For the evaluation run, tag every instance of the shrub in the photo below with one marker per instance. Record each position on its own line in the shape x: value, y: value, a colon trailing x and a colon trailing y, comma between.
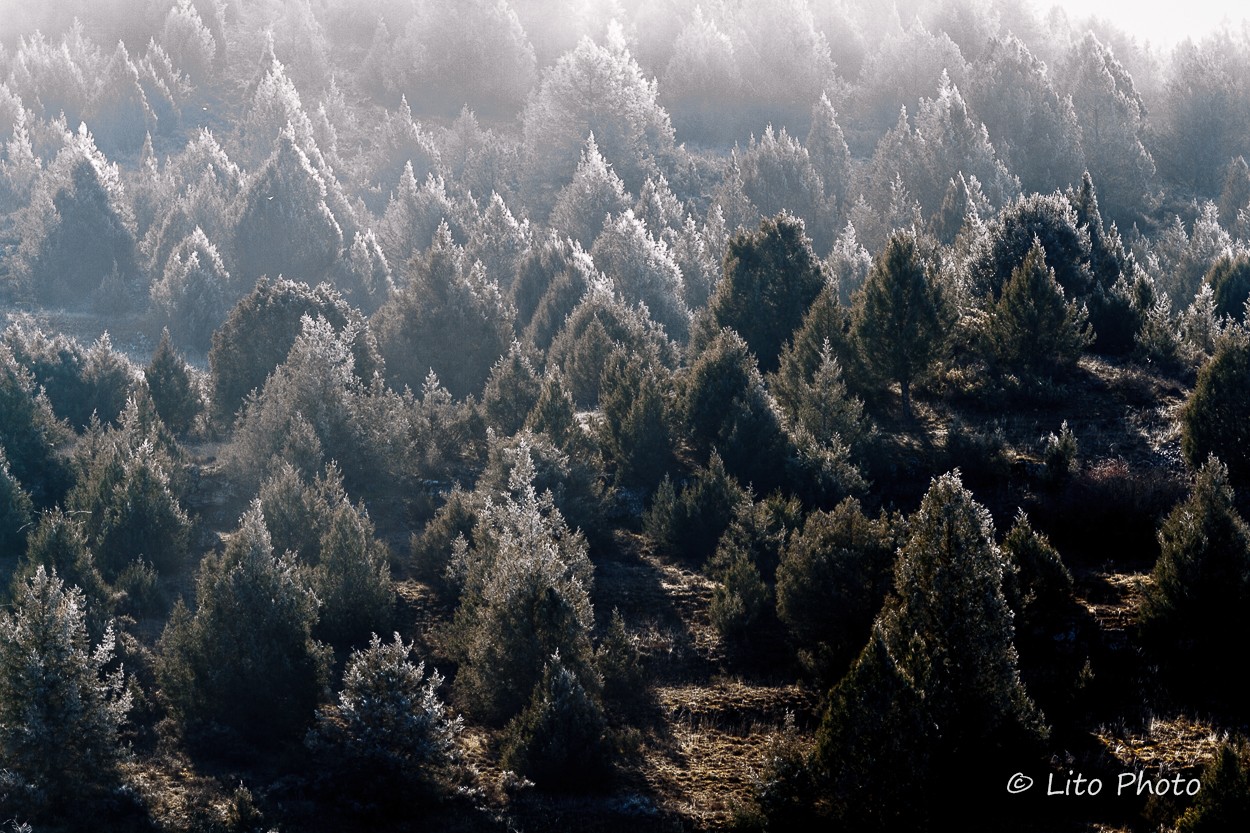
x: 1060, y: 455
x: 690, y: 525
x: 1223, y: 802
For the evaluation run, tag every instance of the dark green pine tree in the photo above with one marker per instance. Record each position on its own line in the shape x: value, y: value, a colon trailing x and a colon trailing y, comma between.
x: 1198, y: 600
x: 899, y: 316
x: 175, y: 395
x: 633, y: 399
x: 30, y: 433
x: 1035, y: 331
x: 16, y: 510
x: 1214, y: 417
x: 560, y: 740
x: 244, y: 662
x: 725, y: 406
x: 512, y: 390
x: 771, y: 278
x: 937, y: 692
x: 1229, y: 279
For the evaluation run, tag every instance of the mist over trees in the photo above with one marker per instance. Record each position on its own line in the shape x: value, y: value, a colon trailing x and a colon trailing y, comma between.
x: 744, y: 415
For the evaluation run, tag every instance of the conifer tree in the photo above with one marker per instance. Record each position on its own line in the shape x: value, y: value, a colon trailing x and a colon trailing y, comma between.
x: 30, y: 433
x: 1229, y: 279
x: 725, y: 406
x: 449, y: 317
x: 1213, y: 420
x: 175, y: 394
x: 1034, y: 330
x: 636, y: 432
x: 512, y: 390
x: 771, y: 278
x: 195, y: 292
x: 937, y: 688
x: 527, y: 580
x: 1200, y: 589
x: 57, y: 544
x: 261, y: 329
x: 832, y: 580
x: 643, y: 271
x: 352, y: 579
x: 561, y: 739
x: 16, y: 510
x: 244, y: 661
x: 594, y: 193
x: 61, y: 705
x: 899, y: 316
x: 283, y: 224
x: 388, y: 728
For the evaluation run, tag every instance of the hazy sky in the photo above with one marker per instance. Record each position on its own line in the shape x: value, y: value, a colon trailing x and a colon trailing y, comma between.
x: 1162, y: 22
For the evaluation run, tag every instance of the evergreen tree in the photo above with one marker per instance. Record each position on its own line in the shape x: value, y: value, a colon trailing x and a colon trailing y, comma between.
x: 175, y: 393
x: 1213, y: 419
x: 512, y: 390
x: 826, y: 146
x: 282, y: 222
x: 16, y: 510
x: 594, y: 192
x: 899, y: 316
x: 62, y: 705
x: 194, y: 293
x: 388, y: 729
x: 1229, y: 279
x: 633, y: 399
x: 1200, y: 587
x: 951, y: 627
x: 352, y: 579
x: 832, y: 580
x: 561, y: 739
x: 82, y: 233
x: 689, y: 525
x: 643, y: 271
x: 725, y: 406
x: 57, y: 545
x: 1235, y: 193
x: 594, y: 89
x: 30, y: 433
x: 1224, y: 797
x: 778, y: 175
x: 937, y: 689
x: 448, y: 317
x: 771, y: 278
x: 244, y: 662
x: 1034, y: 331
x: 527, y: 580
x: 262, y: 328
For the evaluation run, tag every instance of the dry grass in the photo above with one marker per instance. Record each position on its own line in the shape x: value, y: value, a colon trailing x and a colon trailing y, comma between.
x: 720, y: 737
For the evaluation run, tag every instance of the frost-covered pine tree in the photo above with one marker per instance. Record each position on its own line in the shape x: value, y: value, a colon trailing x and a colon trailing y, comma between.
x: 62, y: 702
